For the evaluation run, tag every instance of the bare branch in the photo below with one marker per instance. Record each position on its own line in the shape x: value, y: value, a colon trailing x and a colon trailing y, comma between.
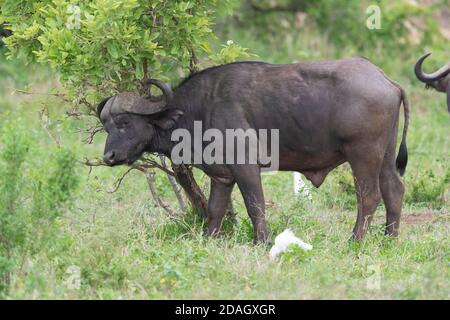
x: 193, y: 63
x: 153, y: 164
x: 92, y: 108
x: 142, y: 165
x: 175, y: 186
x: 145, y: 66
x: 59, y: 95
x: 119, y: 181
x: 93, y: 163
x: 45, y: 122
x: 150, y: 181
x: 75, y: 113
x: 159, y: 202
x: 92, y: 131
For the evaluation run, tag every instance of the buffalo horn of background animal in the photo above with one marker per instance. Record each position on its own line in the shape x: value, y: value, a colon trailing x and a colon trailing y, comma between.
x: 429, y: 78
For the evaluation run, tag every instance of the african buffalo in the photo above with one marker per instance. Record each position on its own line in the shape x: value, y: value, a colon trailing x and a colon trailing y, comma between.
x: 327, y: 113
x: 439, y: 80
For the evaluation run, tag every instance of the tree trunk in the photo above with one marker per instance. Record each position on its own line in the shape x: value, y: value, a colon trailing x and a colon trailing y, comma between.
x: 185, y: 178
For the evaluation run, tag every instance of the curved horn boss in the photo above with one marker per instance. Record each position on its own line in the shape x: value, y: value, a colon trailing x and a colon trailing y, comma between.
x: 130, y: 102
x: 150, y: 105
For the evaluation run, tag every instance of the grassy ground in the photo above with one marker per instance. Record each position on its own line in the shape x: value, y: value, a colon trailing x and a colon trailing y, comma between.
x: 119, y: 245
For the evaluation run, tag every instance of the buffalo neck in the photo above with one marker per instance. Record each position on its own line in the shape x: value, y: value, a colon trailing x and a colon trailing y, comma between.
x: 161, y: 142
x: 187, y: 100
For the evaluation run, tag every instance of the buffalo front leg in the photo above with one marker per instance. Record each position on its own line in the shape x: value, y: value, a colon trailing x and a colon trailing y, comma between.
x: 248, y: 178
x: 219, y: 198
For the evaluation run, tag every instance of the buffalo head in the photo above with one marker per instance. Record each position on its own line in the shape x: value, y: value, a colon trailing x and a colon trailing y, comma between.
x: 133, y: 123
x: 439, y: 80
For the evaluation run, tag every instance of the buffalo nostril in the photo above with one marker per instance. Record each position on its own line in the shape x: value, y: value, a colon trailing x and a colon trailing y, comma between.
x: 109, y: 157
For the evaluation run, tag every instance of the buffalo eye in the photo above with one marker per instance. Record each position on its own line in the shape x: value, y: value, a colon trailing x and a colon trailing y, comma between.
x: 122, y: 122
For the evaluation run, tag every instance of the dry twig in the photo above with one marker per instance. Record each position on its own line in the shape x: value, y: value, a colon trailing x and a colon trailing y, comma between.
x: 158, y: 201
x: 175, y: 187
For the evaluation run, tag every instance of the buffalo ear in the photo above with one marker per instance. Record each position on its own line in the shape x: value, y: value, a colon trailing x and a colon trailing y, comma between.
x: 166, y: 119
x: 101, y: 105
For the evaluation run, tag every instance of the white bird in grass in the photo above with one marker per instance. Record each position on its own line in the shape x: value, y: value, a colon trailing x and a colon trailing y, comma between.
x: 284, y: 240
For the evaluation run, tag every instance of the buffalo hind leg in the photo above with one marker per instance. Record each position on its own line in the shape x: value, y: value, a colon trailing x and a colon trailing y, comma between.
x: 392, y: 190
x: 219, y: 196
x: 248, y: 178
x: 366, y: 166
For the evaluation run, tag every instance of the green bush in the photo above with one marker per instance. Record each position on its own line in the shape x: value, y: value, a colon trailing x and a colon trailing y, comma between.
x: 15, y: 145
x: 55, y: 188
x: 104, y: 46
x: 428, y: 189
x: 27, y: 225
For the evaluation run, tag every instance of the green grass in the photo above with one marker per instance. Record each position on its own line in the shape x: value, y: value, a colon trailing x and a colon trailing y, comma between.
x: 131, y: 251
x: 125, y: 247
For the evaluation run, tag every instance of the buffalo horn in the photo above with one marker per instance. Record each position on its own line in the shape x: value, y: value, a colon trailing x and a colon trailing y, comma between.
x: 429, y: 78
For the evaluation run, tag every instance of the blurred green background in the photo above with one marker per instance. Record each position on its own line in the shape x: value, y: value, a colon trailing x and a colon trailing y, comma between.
x: 64, y: 235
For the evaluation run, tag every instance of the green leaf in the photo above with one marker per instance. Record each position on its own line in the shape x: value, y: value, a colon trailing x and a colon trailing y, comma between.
x: 112, y: 50
x: 139, y: 71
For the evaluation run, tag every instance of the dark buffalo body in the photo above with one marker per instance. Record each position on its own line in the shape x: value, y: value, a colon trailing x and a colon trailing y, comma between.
x: 327, y: 113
